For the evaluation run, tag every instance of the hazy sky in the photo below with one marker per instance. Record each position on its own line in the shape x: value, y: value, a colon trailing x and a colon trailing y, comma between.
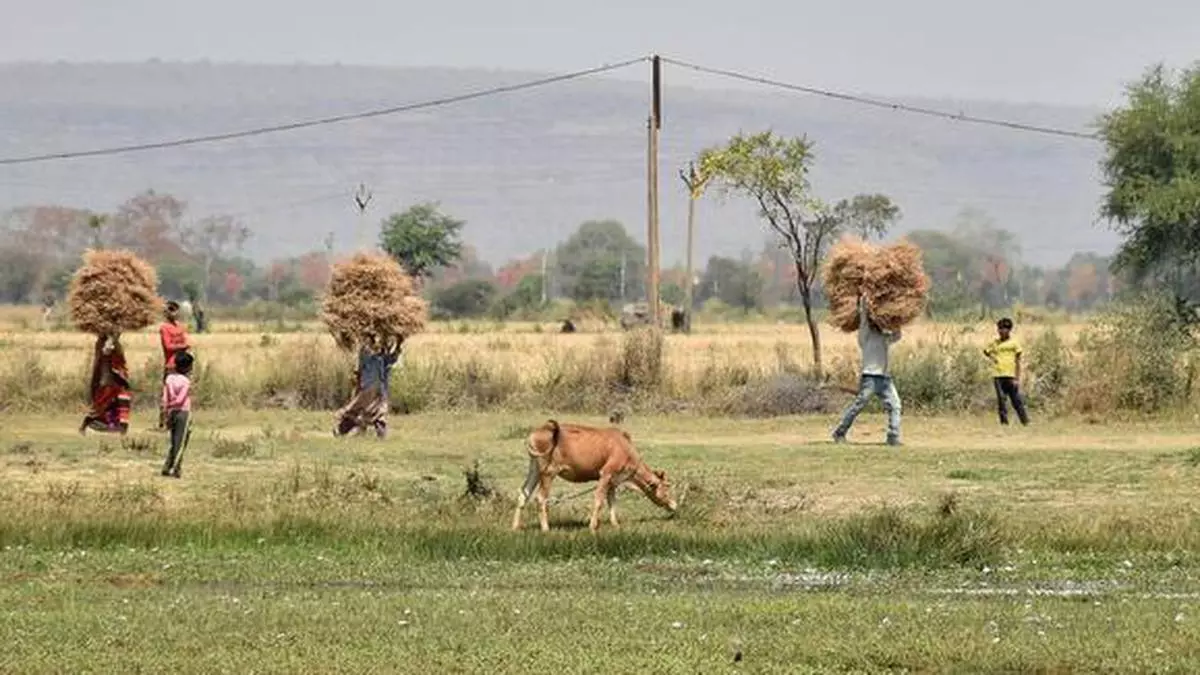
x: 1064, y: 51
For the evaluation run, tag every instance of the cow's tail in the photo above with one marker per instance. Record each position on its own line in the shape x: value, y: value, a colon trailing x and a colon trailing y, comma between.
x: 555, y: 435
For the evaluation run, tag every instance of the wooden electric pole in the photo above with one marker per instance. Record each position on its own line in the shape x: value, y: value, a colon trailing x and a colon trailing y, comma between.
x: 652, y: 241
x: 695, y: 185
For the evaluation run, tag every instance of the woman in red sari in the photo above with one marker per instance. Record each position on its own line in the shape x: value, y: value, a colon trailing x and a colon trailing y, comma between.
x: 111, y: 395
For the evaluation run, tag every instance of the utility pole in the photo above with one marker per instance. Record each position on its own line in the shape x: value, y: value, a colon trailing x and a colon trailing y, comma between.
x: 695, y: 185
x: 545, y: 279
x: 652, y: 242
x: 362, y: 197
x: 623, y: 297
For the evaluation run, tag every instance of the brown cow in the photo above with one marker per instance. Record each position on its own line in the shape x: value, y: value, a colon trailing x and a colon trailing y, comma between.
x: 580, y: 454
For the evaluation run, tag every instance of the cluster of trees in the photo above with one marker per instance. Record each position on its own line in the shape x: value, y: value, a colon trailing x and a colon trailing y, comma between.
x: 975, y: 264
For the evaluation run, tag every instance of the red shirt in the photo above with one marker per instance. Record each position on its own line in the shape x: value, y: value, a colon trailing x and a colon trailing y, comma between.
x: 174, y: 340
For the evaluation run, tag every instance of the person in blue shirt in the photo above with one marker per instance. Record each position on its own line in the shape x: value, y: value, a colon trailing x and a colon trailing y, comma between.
x: 371, y: 402
x: 875, y: 380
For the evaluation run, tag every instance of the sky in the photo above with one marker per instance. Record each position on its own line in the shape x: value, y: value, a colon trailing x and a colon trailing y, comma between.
x: 1079, y: 52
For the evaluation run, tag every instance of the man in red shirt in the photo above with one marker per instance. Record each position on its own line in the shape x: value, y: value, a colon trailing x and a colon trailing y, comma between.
x: 173, y: 336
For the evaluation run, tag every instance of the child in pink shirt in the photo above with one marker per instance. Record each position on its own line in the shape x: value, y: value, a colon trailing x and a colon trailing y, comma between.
x: 177, y: 408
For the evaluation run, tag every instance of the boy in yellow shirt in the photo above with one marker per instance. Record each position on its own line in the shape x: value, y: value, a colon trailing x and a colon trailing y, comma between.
x: 1005, y: 355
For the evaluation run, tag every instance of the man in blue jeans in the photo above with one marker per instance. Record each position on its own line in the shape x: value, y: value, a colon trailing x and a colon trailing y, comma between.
x: 875, y: 380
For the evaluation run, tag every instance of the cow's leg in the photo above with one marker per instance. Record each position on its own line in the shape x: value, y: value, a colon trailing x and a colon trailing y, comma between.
x: 543, y: 497
x: 603, y: 488
x: 531, y: 483
x: 612, y: 505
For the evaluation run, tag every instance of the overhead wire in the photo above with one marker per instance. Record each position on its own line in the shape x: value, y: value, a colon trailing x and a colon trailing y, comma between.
x: 530, y: 84
x: 290, y: 126
x: 891, y: 105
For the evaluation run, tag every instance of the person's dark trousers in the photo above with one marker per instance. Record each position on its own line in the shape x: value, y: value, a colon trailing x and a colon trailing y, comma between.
x: 1007, y: 390
x: 177, y: 421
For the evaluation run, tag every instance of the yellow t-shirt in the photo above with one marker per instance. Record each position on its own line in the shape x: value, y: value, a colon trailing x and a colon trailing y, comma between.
x: 1004, y: 355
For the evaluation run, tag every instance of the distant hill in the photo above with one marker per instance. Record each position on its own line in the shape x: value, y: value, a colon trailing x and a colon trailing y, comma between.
x: 523, y: 169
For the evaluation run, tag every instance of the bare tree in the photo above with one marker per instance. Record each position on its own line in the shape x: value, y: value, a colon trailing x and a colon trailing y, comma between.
x: 212, y: 239
x: 773, y: 172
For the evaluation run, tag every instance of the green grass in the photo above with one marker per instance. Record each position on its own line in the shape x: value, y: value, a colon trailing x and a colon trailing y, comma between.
x: 285, y: 550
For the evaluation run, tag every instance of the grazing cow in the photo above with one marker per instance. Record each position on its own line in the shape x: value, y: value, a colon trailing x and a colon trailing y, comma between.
x: 580, y: 454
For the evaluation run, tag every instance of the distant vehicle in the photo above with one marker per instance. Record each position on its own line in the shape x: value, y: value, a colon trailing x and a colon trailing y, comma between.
x: 636, y: 314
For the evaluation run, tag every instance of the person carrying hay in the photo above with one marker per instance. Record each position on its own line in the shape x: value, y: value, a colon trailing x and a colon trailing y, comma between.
x: 111, y: 397
x: 372, y: 398
x: 875, y: 380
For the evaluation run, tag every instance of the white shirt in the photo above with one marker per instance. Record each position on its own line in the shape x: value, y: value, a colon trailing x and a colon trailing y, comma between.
x: 874, y: 343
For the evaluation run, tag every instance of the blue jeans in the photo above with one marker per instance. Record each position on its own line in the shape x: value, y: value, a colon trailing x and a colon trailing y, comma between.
x: 868, y: 386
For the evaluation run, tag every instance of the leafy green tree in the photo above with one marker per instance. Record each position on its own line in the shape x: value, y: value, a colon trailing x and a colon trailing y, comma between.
x: 468, y: 298
x: 590, y: 263
x: 1152, y: 172
x: 528, y: 293
x: 672, y: 293
x: 952, y: 266
x: 773, y: 172
x: 422, y: 239
x: 734, y: 282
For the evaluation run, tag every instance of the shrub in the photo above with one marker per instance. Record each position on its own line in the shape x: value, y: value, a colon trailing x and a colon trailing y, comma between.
x: 1137, y: 356
x: 1049, y: 364
x: 949, y: 375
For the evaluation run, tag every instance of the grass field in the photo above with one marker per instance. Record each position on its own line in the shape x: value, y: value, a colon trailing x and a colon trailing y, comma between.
x: 1063, y: 547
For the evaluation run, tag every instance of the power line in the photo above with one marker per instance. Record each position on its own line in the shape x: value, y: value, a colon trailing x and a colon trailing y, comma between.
x: 434, y: 103
x: 959, y: 117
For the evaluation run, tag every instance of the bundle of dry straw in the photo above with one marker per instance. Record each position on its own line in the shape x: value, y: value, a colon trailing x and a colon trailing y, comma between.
x: 114, y: 292
x: 891, y: 278
x: 370, y: 300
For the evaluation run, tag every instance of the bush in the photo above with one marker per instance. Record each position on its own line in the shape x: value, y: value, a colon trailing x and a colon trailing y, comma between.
x: 469, y: 298
x: 1049, y: 366
x: 948, y: 375
x: 1138, y: 356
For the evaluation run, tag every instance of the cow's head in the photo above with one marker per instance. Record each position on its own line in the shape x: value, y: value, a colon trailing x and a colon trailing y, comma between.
x: 658, y: 489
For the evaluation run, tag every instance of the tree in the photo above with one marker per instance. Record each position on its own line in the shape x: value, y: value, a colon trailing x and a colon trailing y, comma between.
x: 1152, y: 172
x: 735, y: 283
x: 468, y: 298
x: 149, y: 224
x: 589, y: 264
x: 422, y: 239
x: 951, y: 266
x: 234, y: 283
x: 468, y: 266
x: 212, y: 239
x: 773, y: 172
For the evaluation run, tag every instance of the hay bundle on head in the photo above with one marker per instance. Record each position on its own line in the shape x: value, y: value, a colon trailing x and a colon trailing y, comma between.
x: 891, y: 279
x: 114, y: 292
x: 371, y: 301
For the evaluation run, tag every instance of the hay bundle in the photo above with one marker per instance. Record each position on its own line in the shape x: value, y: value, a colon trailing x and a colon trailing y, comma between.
x: 891, y: 278
x: 370, y: 300
x: 114, y: 292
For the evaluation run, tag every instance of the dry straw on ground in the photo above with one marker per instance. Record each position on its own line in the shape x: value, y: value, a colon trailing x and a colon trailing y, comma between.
x: 113, y: 292
x: 891, y: 278
x: 370, y: 299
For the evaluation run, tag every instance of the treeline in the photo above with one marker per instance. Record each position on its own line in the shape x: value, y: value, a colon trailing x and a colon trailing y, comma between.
x: 975, y: 265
